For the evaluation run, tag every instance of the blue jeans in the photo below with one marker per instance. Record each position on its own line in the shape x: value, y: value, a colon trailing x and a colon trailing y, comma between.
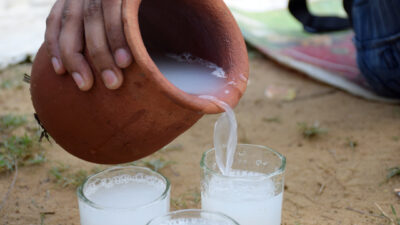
x: 376, y: 25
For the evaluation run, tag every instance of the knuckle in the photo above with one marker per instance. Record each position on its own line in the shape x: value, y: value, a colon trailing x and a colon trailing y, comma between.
x: 68, y: 15
x: 93, y: 9
x: 50, y: 19
x: 96, y: 53
x: 50, y: 42
x: 66, y: 54
x: 115, y: 36
x: 111, y: 1
x: 100, y: 58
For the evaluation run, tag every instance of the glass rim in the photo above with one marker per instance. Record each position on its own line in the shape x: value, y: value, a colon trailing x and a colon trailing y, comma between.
x: 280, y: 170
x: 82, y: 196
x: 184, y: 211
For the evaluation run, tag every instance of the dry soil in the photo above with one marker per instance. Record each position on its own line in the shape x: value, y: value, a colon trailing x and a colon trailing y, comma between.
x: 327, y: 180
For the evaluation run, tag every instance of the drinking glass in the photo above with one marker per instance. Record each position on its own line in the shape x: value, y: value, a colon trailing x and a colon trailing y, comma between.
x: 193, y: 217
x: 252, y: 192
x: 123, y: 196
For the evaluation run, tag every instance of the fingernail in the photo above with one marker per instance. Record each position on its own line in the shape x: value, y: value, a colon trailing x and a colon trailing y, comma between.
x: 56, y: 64
x: 122, y: 58
x: 78, y: 80
x: 110, y: 79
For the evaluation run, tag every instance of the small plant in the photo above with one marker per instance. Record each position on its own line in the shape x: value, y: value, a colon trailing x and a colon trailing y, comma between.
x: 275, y: 119
x: 63, y: 177
x: 311, y: 131
x: 19, y: 149
x: 153, y: 164
x: 395, y: 171
x: 16, y: 149
x: 43, y: 216
x: 6, y: 84
x: 396, y: 138
x: 351, y: 143
x: 172, y: 147
x: 10, y: 122
x: 157, y: 164
x: 189, y: 199
x: 391, y: 221
x: 10, y: 83
x: 179, y: 203
x: 396, y: 218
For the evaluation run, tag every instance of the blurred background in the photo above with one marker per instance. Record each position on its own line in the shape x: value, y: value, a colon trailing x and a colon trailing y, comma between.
x: 342, y: 151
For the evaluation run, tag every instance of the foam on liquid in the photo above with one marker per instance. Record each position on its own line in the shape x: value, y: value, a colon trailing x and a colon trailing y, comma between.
x: 195, y: 221
x: 191, y: 74
x: 122, y: 199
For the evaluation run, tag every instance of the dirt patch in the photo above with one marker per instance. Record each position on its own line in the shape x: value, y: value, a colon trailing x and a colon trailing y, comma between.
x: 333, y: 178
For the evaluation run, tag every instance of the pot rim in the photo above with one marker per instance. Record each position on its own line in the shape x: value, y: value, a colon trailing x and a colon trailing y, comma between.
x: 143, y: 59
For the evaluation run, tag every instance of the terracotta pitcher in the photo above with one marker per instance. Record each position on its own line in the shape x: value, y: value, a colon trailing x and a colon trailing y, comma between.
x: 147, y: 112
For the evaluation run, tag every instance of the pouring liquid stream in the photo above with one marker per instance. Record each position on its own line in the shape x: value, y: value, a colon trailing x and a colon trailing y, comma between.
x: 225, y: 136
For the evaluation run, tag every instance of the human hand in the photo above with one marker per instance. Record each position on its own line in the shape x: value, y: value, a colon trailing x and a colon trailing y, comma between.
x: 96, y: 25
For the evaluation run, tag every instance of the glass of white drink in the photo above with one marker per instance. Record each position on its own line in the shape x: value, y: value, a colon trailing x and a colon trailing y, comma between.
x: 252, y: 191
x: 193, y: 217
x: 122, y: 196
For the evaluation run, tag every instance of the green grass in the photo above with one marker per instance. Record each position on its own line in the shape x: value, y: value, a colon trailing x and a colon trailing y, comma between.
x: 66, y: 177
x: 10, y: 122
x: 15, y: 148
x: 43, y: 216
x: 392, y: 172
x: 311, y: 131
x: 189, y: 199
x: 157, y: 164
x: 15, y: 82
x: 351, y: 143
x: 154, y: 164
x: 172, y: 147
x: 63, y: 176
x: 396, y: 218
x: 275, y: 119
x: 7, y: 84
x: 21, y: 150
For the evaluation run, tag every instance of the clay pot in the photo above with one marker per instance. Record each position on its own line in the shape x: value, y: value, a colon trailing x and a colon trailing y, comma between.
x: 147, y: 112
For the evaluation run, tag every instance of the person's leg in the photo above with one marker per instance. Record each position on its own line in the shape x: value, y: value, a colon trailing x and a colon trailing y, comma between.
x: 376, y: 25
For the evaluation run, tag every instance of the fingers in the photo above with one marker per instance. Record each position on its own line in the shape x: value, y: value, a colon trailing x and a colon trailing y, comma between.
x: 97, y: 45
x: 104, y: 36
x: 71, y: 44
x: 53, y: 29
x: 112, y: 10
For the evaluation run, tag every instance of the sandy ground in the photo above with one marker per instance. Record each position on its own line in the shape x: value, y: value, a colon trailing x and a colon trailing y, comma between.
x: 327, y: 182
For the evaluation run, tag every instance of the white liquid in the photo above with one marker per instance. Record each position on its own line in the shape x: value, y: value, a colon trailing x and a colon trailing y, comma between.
x: 124, y: 200
x: 250, y: 201
x: 190, y: 74
x: 225, y: 136
x: 248, y: 197
x: 195, y: 221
